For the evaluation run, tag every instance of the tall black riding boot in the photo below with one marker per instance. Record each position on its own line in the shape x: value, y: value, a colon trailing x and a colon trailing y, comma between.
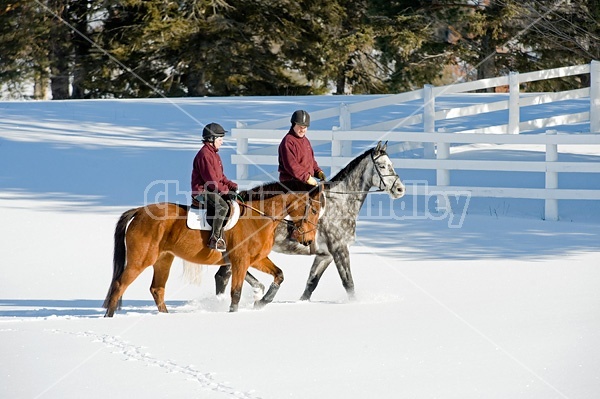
x: 220, y: 205
x: 217, y: 241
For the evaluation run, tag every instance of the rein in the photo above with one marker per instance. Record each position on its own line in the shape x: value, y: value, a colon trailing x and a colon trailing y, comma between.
x: 290, y: 223
x: 261, y: 213
x: 355, y: 192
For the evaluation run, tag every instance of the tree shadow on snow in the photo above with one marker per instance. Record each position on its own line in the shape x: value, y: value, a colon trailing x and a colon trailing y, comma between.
x: 480, y: 237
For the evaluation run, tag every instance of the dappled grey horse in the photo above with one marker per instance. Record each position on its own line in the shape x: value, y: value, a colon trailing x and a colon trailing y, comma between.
x: 345, y: 195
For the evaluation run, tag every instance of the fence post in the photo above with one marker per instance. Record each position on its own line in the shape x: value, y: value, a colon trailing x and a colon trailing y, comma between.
x: 513, y: 103
x: 241, y: 148
x: 428, y: 119
x: 443, y: 176
x: 595, y: 97
x: 340, y: 148
x: 551, y: 205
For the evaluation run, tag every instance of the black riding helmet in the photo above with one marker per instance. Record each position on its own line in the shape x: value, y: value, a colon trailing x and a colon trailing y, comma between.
x: 212, y: 131
x: 301, y: 118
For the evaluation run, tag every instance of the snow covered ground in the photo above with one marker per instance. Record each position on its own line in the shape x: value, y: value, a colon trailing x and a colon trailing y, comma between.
x: 502, y: 307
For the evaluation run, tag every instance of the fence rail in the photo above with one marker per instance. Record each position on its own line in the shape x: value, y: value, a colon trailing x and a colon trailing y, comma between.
x: 436, y: 144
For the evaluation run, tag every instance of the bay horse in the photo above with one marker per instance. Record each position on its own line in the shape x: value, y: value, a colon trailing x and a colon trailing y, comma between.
x: 154, y: 234
x: 345, y: 194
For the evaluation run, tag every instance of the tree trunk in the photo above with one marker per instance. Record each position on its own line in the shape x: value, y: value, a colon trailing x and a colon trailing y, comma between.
x: 195, y: 82
x: 340, y: 87
x: 81, y: 47
x: 40, y: 86
x: 487, y: 61
x: 59, y: 52
x: 342, y: 79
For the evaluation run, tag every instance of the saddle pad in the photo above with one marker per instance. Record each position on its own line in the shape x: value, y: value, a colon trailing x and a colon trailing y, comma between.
x: 196, y: 218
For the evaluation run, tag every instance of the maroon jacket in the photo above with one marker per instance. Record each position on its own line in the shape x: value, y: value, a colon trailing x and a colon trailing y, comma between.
x: 296, y: 158
x: 207, y: 172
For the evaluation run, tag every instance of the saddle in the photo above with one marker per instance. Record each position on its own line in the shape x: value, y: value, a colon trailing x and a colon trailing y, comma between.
x: 197, y: 217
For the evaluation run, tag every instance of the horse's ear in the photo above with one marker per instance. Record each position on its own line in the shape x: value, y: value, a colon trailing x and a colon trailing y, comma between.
x: 378, y: 147
x: 384, y: 147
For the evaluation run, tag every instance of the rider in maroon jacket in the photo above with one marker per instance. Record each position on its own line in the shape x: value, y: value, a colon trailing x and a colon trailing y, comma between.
x: 209, y: 183
x: 296, y: 156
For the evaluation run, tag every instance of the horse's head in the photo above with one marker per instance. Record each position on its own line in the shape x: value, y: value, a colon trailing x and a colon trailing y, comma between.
x: 385, y: 176
x: 304, y: 209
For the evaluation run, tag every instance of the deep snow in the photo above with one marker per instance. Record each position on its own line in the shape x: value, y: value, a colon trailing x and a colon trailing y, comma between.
x: 498, y: 307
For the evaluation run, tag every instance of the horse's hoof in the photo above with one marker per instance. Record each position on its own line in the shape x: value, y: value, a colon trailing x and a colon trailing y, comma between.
x: 305, y: 297
x: 163, y: 308
x: 259, y: 304
x: 233, y: 308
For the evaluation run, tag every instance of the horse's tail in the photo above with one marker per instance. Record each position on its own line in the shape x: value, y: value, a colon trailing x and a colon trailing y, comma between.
x: 193, y: 272
x: 120, y: 252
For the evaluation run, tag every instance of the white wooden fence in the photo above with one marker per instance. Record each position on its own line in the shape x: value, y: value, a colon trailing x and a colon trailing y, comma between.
x: 436, y: 142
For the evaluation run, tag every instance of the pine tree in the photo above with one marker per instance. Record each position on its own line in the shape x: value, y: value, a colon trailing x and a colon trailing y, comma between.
x: 134, y: 38
x: 236, y: 49
x: 483, y: 33
x: 145, y: 48
x: 493, y: 37
x: 59, y: 43
x: 414, y: 49
x: 564, y: 33
x: 24, y: 57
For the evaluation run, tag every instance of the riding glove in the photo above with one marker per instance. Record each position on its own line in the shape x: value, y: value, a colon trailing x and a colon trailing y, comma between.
x: 311, y: 180
x: 321, y: 175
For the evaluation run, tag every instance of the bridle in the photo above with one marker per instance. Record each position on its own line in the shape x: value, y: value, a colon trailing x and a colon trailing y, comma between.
x: 297, y: 230
x: 382, y: 185
x: 381, y: 176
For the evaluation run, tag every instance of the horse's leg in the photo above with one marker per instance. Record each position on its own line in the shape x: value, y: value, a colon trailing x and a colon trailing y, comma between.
x: 162, y: 268
x: 267, y: 266
x: 132, y: 271
x: 222, y: 279
x: 321, y: 262
x: 341, y: 257
x: 257, y: 286
x: 239, y: 267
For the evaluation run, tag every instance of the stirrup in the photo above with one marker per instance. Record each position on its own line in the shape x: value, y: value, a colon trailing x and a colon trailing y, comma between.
x: 217, y: 244
x: 221, y: 246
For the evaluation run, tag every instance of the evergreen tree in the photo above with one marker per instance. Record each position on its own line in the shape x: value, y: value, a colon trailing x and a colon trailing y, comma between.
x: 414, y: 46
x: 59, y: 43
x: 483, y: 33
x: 134, y: 38
x: 39, y: 45
x: 493, y: 37
x: 24, y: 57
x: 237, y: 49
x: 564, y: 33
x: 145, y: 48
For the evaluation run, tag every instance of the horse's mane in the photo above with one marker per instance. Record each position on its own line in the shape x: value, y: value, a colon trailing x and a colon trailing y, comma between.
x: 342, y: 174
x: 269, y: 190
